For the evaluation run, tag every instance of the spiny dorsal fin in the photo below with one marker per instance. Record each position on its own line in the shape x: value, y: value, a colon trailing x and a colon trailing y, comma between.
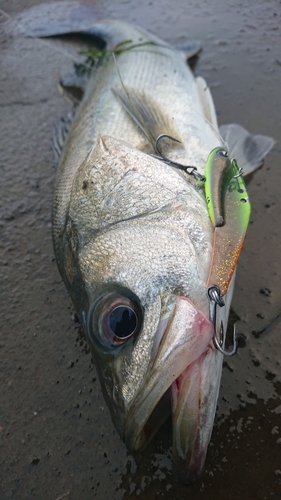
x: 147, y: 114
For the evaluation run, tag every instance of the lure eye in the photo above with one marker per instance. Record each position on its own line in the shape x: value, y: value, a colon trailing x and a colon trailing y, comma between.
x: 222, y: 153
x: 115, y: 319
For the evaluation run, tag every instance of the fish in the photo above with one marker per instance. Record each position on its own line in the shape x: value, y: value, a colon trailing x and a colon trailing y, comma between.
x: 140, y: 245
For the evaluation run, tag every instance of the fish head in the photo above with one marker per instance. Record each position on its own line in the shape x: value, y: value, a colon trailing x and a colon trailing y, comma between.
x: 139, y: 247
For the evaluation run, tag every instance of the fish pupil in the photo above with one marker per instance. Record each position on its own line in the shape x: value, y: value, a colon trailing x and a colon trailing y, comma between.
x: 123, y: 321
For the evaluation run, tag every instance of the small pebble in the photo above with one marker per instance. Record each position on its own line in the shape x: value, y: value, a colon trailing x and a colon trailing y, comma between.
x: 265, y: 291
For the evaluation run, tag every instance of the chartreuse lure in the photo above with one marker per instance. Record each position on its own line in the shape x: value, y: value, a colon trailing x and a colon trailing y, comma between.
x: 229, y: 210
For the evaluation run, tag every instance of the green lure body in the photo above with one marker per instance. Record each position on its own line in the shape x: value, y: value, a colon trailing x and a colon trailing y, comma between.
x: 229, y: 210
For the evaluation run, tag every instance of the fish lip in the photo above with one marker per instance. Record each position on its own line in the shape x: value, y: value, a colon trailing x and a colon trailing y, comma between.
x: 194, y: 399
x: 138, y: 416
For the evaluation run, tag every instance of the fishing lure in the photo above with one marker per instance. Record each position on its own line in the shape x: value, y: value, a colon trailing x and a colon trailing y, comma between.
x: 229, y: 210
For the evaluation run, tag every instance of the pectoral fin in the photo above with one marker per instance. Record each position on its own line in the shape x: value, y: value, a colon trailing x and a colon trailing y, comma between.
x: 146, y: 114
x: 60, y: 132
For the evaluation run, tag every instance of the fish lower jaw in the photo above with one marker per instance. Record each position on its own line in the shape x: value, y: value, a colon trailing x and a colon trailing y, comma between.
x: 190, y: 434
x: 137, y: 438
x: 183, y: 380
x: 194, y: 472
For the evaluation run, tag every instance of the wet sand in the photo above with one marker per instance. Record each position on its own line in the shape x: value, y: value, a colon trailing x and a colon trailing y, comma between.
x: 57, y: 438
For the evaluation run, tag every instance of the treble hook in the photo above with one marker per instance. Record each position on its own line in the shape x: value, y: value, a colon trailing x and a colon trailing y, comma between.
x: 217, y: 300
x: 236, y: 177
x: 186, y: 168
x: 240, y: 174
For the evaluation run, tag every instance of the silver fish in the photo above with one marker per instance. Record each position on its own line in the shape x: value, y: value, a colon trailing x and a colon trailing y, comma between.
x: 133, y: 238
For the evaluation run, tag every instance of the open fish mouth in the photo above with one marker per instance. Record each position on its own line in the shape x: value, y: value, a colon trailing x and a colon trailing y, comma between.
x: 184, y: 378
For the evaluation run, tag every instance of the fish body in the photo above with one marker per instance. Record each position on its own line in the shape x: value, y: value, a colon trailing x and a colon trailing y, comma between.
x: 133, y: 241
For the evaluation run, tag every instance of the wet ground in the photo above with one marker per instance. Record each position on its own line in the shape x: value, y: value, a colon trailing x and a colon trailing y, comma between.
x: 57, y: 439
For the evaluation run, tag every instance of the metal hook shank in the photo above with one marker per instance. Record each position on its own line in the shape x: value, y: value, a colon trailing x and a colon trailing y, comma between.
x: 219, y: 340
x: 190, y: 170
x: 218, y: 344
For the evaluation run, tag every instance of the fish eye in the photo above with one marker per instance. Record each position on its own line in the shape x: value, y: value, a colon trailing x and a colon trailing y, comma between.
x: 114, y: 319
x: 123, y: 322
